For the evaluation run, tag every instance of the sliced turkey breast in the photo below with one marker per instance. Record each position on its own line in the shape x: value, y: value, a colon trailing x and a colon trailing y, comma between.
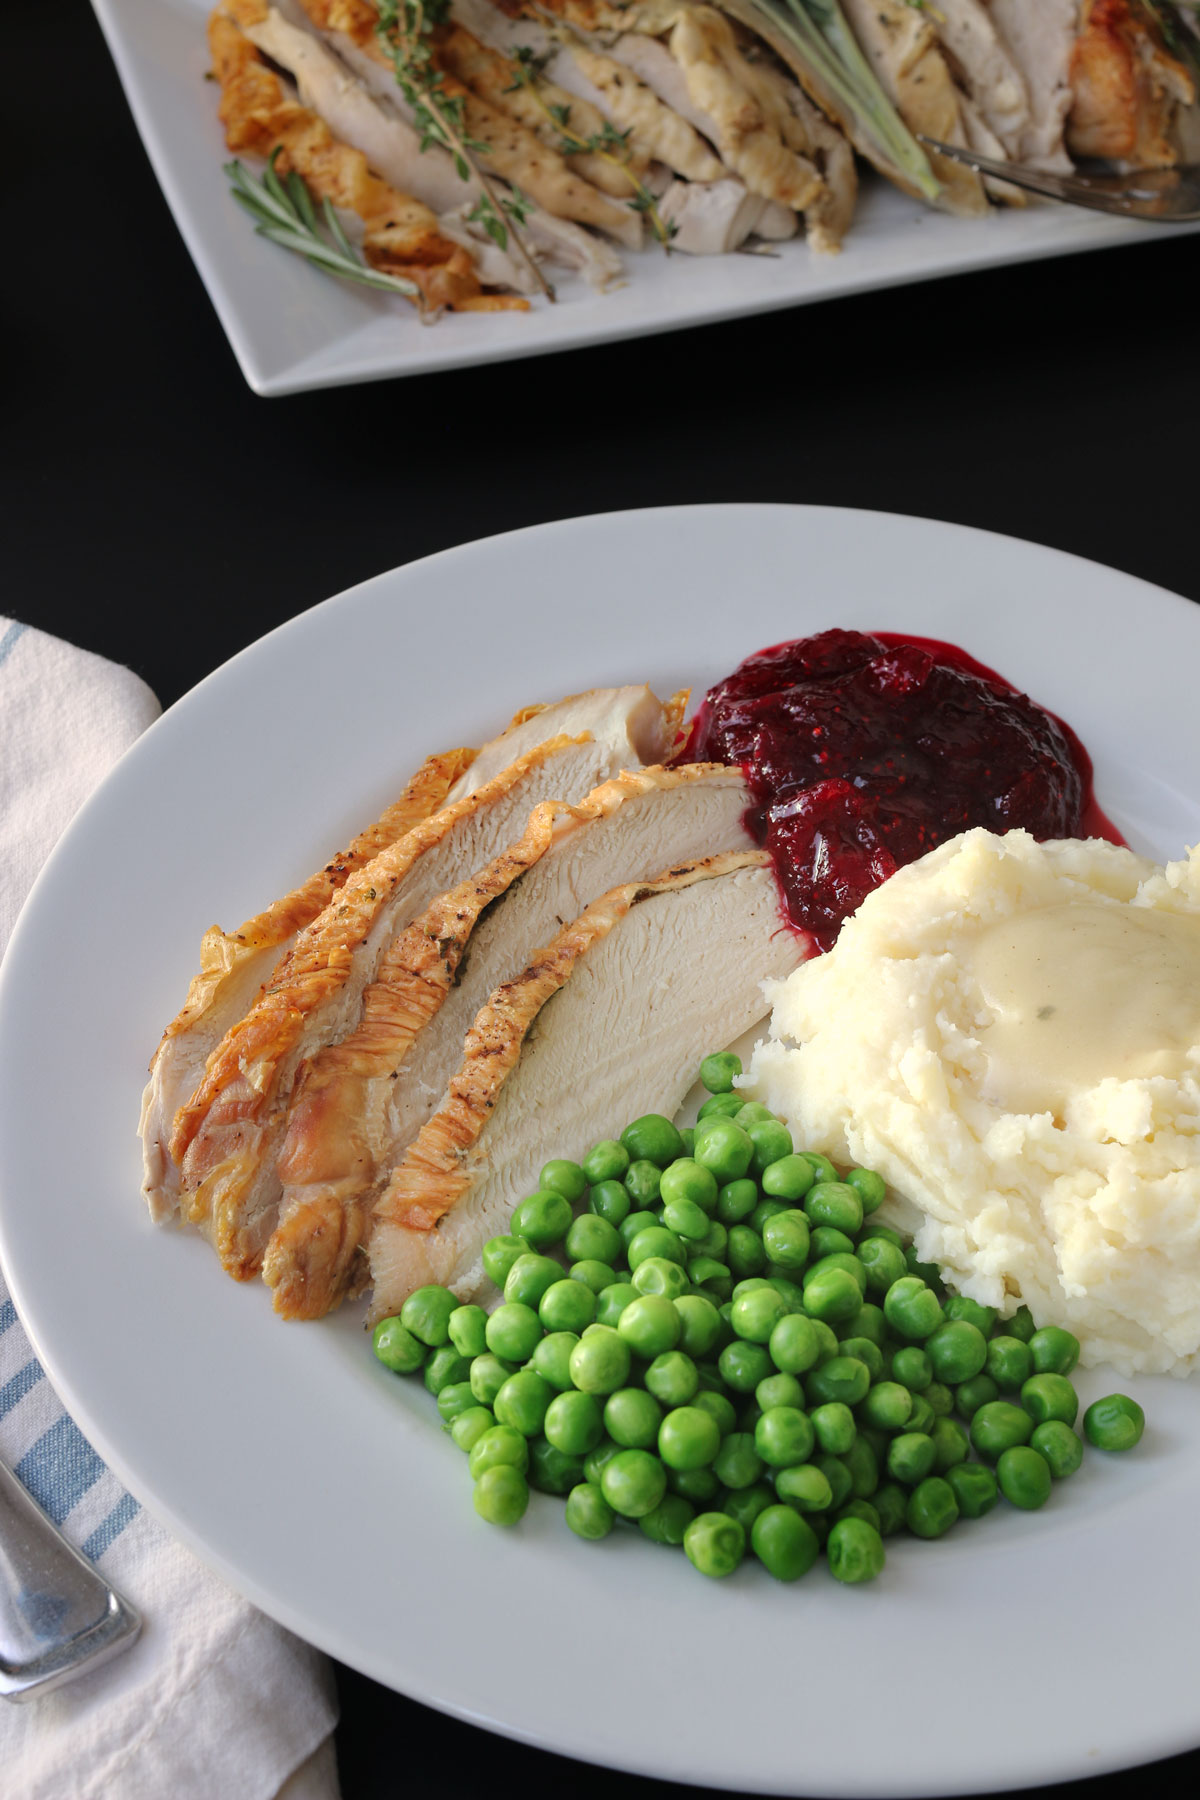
x: 902, y: 47
x: 359, y: 1103
x: 235, y: 966
x: 225, y: 1137
x: 979, y: 56
x: 609, y: 1021
x: 1126, y: 87
x: 1039, y: 35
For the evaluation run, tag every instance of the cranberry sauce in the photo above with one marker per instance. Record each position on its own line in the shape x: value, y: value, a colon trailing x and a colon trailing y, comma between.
x: 863, y: 752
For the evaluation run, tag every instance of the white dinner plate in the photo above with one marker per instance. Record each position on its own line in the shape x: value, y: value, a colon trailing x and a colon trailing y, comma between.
x: 1022, y: 1649
x: 292, y: 328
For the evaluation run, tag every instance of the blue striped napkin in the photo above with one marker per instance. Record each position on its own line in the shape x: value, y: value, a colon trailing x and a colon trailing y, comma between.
x: 214, y: 1699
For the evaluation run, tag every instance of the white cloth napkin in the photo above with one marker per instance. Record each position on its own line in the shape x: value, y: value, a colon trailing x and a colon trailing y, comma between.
x: 214, y: 1699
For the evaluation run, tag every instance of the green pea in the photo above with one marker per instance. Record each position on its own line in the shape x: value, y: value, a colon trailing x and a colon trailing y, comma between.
x: 686, y: 1220
x: 854, y: 1551
x: 744, y: 1252
x: 672, y: 1378
x: 632, y: 1418
x: 650, y: 1324
x: 929, y: 1273
x: 593, y: 1239
x: 859, y: 1509
x: 690, y: 1181
x: 1021, y: 1324
x: 744, y: 1364
x: 633, y: 1483
x: 971, y: 1395
x: 642, y: 1181
x: 745, y: 1504
x: 832, y: 1293
x: 779, y: 1390
x: 543, y: 1218
x: 551, y: 1359
x: 588, y: 1513
x: 912, y: 1309
x: 793, y: 1344
x: 828, y: 1241
x: 998, y: 1427
x: 1054, y: 1351
x: 561, y: 1176
x: 827, y: 1342
x: 667, y: 1523
x: 597, y: 1460
x: 951, y: 1445
x: 652, y: 1139
x: 609, y: 1200
x: 488, y: 1375
x: 499, y: 1255
x: 842, y: 1378
x: 1024, y: 1477
x: 766, y: 1209
x: 724, y: 1151
x: 864, y: 1350
x: 961, y: 1306
x: 426, y: 1313
x: 714, y: 1277
x: 605, y: 1161
x: 1114, y: 1423
x: 659, y: 1275
x: 883, y: 1262
x: 501, y: 1495
x: 600, y: 1361
x: 771, y: 1140
x: 912, y: 1367
x: 397, y: 1348
x: 1009, y: 1363
x: 891, y: 1507
x: 939, y: 1399
x: 957, y: 1350
x: 844, y: 1260
x: 595, y: 1276
x: 835, y: 1203
x: 974, y: 1488
x: 456, y: 1397
x: 444, y: 1367
x: 786, y: 1240
x: 932, y: 1508
x: 718, y: 1406
x: 551, y: 1470
x: 887, y: 1406
x: 714, y: 1544
x: 687, y: 1137
x: 922, y: 1417
x: 1050, y: 1397
x: 699, y: 1324
x: 700, y: 1486
x: 523, y: 1402
x: 788, y: 1179
x: 501, y: 1446
x: 756, y: 1314
x: 806, y: 1487
x: 655, y: 1241
x: 721, y: 1106
x: 783, y: 1542
x: 514, y: 1331
x: 736, y: 1200
x: 784, y: 1436
x: 834, y: 1428
x: 822, y: 1167
x: 750, y: 1112
x: 567, y: 1306
x: 787, y: 1289
x: 466, y: 1327
x: 1059, y: 1445
x: 911, y: 1457
x: 529, y: 1278
x: 573, y: 1423
x: 611, y: 1303
x: 737, y: 1463
x: 469, y: 1426
x: 712, y: 1243
x: 862, y: 1467
x: 888, y: 1233
x: 870, y: 1188
x: 689, y: 1437
x: 719, y: 1071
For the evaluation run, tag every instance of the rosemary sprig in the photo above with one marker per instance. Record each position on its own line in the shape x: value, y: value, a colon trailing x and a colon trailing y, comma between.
x: 611, y: 145
x: 283, y: 211
x: 403, y: 28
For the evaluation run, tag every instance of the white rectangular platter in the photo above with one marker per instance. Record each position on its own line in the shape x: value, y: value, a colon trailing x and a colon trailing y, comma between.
x: 292, y: 328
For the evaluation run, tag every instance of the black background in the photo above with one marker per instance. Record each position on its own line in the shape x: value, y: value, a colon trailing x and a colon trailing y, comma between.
x: 156, y: 511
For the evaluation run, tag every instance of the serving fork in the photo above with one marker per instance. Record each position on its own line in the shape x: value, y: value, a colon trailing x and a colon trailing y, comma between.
x: 59, y: 1618
x: 1163, y: 196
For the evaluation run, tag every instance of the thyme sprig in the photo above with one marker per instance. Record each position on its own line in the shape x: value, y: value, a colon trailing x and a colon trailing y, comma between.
x: 283, y: 210
x: 609, y: 144
x: 404, y: 28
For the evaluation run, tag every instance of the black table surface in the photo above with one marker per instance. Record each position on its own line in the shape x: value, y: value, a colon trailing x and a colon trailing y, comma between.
x: 156, y: 511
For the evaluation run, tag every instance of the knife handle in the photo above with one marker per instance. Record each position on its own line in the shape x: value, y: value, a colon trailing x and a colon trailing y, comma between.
x: 58, y: 1617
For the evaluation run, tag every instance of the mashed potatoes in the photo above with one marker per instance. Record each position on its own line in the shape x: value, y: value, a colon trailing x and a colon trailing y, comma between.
x: 1009, y: 1032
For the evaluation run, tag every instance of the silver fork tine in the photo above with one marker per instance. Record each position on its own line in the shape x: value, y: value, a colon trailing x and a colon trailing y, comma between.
x: 1168, y: 196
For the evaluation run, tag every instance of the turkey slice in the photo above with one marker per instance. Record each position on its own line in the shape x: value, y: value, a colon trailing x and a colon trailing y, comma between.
x: 235, y: 965
x: 994, y: 83
x: 1039, y: 35
x: 358, y: 1104
x: 609, y: 1021
x: 224, y: 1138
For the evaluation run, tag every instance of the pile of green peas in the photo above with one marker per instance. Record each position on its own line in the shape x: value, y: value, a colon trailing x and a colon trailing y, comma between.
x: 703, y: 1333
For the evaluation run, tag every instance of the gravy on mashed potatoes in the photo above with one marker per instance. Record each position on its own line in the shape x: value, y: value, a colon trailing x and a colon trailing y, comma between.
x: 1009, y: 1032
